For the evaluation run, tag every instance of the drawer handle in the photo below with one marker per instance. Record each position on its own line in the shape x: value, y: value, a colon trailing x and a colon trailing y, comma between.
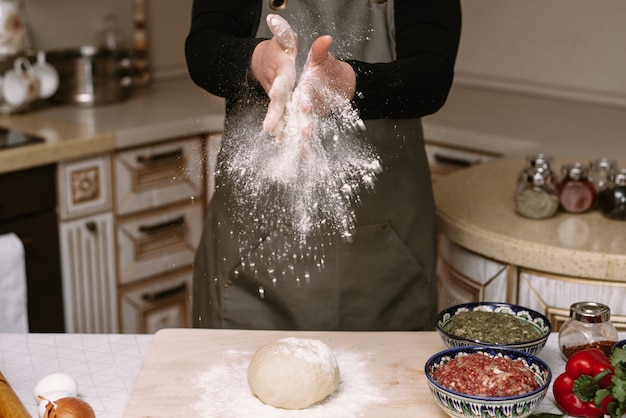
x: 151, y: 229
x: 460, y: 162
x: 163, y: 294
x: 164, y: 156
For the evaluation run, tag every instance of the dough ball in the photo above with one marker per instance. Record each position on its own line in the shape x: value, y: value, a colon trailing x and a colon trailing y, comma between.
x: 293, y: 373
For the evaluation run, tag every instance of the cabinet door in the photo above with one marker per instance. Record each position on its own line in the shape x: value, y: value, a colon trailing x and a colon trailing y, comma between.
x: 157, y: 242
x: 84, y: 187
x: 88, y: 268
x: 464, y: 276
x: 158, y: 175
x: 552, y: 295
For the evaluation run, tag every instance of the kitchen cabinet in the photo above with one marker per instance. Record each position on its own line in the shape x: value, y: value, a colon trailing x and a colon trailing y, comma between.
x: 89, y: 288
x: 160, y: 201
x: 464, y: 276
x: 489, y: 253
x: 87, y: 245
x: 553, y: 295
x: 130, y: 224
x: 162, y: 303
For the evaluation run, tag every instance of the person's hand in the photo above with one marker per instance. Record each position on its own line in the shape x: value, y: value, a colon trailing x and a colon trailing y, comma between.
x: 273, y: 66
x: 326, y: 83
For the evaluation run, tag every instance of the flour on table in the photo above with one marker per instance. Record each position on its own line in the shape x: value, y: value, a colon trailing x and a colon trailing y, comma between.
x: 225, y: 392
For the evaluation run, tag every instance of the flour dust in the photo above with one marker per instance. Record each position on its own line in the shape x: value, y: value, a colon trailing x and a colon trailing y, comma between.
x: 225, y: 392
x: 295, y: 193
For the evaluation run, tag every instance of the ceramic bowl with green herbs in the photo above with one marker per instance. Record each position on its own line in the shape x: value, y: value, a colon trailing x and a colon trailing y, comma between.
x: 493, y: 324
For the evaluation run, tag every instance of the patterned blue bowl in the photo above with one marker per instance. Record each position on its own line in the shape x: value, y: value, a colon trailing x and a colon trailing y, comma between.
x: 460, y: 405
x: 540, y: 321
x: 620, y: 344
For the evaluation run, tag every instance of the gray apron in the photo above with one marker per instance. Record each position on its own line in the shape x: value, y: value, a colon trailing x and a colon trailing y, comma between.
x: 385, y: 278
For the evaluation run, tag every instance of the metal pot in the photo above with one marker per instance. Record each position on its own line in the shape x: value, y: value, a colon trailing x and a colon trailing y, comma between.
x: 89, y: 75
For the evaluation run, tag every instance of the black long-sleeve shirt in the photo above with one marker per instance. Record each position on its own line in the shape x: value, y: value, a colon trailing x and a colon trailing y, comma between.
x: 222, y: 38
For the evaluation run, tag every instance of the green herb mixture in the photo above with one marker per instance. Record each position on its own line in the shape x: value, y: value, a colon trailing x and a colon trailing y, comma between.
x: 492, y: 327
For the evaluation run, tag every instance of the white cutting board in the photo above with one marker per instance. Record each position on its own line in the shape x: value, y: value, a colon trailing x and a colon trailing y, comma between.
x: 201, y: 373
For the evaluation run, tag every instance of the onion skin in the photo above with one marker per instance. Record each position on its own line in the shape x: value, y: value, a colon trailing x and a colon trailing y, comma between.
x: 69, y: 408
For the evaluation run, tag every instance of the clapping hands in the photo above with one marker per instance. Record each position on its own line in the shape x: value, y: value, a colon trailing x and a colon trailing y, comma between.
x: 324, y: 85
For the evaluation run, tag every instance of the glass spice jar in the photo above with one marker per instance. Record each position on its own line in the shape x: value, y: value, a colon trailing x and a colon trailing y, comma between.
x: 534, y: 161
x: 576, y: 192
x: 600, y: 170
x: 589, y: 326
x: 612, y: 199
x: 536, y: 195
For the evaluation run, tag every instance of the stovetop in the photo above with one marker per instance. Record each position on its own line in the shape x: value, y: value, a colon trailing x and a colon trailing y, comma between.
x: 10, y: 138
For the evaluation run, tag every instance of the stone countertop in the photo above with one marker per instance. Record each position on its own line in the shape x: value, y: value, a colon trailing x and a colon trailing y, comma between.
x: 475, y: 209
x: 163, y: 110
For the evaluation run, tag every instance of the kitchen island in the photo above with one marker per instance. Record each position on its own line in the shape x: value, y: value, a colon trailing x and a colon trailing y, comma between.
x: 133, y: 375
x: 489, y: 252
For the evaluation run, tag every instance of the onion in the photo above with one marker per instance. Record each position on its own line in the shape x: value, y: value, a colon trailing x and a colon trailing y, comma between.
x: 69, y: 407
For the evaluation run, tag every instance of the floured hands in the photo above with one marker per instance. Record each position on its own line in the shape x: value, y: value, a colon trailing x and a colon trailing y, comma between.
x: 273, y: 65
x: 325, y: 84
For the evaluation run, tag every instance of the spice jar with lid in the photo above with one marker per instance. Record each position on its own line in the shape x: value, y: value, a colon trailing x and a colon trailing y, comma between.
x: 536, y: 195
x: 576, y: 192
x: 533, y: 162
x: 612, y: 199
x: 589, y: 326
x: 600, y: 170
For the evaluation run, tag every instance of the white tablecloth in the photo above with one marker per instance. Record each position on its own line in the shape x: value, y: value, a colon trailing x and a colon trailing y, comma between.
x: 106, y: 366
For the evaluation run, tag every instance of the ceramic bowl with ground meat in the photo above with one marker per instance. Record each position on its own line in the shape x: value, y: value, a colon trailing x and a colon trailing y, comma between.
x: 493, y: 324
x: 487, y: 382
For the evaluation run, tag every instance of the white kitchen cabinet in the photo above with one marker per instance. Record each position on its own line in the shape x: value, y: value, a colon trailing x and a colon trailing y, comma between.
x: 553, y: 294
x: 130, y: 224
x: 464, y: 276
x: 87, y: 245
x: 88, y: 271
x: 165, y: 303
x: 160, y: 203
x: 158, y: 175
x: 158, y: 242
x: 84, y: 187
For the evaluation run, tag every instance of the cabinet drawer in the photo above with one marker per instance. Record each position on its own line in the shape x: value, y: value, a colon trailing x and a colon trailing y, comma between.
x: 164, y: 304
x: 84, y: 187
x: 158, y: 242
x: 158, y: 175
x: 444, y: 159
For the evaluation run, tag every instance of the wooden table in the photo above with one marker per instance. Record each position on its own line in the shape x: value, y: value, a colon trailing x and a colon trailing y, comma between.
x: 393, y: 362
x: 202, y: 373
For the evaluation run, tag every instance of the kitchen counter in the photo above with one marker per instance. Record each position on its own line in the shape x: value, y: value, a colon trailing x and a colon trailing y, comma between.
x: 475, y: 210
x: 108, y: 368
x: 163, y: 110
